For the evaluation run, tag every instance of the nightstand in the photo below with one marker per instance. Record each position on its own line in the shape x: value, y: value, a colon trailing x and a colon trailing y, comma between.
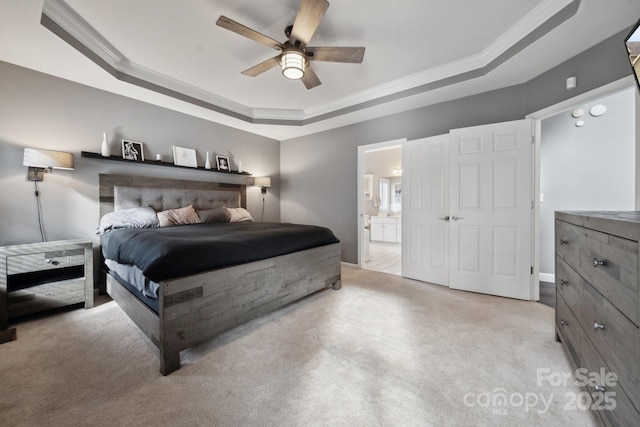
x: 37, y: 277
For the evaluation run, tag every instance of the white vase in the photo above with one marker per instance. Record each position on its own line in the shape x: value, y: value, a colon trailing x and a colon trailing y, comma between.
x: 207, y: 161
x: 239, y: 167
x: 105, y: 146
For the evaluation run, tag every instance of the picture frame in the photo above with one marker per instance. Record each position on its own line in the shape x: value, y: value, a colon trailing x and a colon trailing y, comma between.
x: 222, y: 163
x: 184, y: 157
x: 132, y: 150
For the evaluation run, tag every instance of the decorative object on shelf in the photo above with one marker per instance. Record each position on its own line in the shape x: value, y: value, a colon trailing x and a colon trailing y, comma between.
x: 105, y: 151
x: 207, y: 161
x: 222, y: 162
x: 239, y: 166
x: 160, y: 162
x: 132, y: 150
x: 185, y: 157
x: 158, y: 157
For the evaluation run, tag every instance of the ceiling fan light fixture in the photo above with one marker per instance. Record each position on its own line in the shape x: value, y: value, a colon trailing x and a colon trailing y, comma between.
x: 293, y: 63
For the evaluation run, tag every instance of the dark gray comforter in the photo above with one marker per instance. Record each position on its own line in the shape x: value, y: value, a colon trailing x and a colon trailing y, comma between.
x: 170, y: 252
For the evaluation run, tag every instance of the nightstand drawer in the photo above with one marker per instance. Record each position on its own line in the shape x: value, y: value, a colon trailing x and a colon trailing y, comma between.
x: 44, y: 261
x: 46, y: 297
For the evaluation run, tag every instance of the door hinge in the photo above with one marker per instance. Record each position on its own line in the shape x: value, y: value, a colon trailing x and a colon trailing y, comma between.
x: 533, y: 139
x: 532, y: 270
x: 533, y: 204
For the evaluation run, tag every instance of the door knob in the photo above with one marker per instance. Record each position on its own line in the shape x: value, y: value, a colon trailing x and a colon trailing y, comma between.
x: 455, y: 218
x: 444, y: 218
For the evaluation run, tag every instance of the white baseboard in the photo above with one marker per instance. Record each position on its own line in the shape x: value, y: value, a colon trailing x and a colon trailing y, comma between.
x: 547, y: 277
x: 350, y: 265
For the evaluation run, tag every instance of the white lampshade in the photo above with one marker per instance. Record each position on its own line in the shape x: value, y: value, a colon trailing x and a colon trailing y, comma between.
x: 48, y: 159
x: 264, y: 181
x: 293, y: 63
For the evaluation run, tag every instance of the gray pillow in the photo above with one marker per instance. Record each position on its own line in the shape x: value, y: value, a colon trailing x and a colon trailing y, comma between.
x: 128, y: 218
x: 214, y: 215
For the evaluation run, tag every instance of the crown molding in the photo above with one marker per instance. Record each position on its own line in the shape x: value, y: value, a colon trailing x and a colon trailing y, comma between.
x: 63, y: 21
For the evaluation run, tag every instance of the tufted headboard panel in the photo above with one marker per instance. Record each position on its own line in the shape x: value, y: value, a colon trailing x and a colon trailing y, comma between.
x: 162, y: 199
x: 126, y: 191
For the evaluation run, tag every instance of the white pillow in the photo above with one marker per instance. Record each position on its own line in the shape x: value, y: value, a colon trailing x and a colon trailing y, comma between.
x: 128, y: 218
x: 239, y: 215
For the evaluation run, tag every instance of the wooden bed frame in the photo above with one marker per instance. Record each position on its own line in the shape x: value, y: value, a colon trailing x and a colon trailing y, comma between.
x: 196, y: 308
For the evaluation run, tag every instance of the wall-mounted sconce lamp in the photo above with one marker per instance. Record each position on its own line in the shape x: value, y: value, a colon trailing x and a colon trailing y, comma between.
x: 262, y: 182
x: 41, y: 161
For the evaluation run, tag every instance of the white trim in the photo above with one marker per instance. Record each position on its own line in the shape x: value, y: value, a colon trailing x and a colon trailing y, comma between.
x: 362, y: 149
x: 350, y: 265
x: 583, y: 98
x: 548, y: 277
x: 537, y: 117
x: 69, y: 20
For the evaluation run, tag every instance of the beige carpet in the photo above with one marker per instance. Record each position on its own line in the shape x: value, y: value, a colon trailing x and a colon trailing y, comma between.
x: 383, y: 351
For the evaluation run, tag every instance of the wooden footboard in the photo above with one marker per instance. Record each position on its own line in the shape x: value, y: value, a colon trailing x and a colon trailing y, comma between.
x: 196, y: 308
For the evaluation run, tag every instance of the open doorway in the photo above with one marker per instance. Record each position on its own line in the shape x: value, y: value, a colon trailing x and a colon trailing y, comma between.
x: 587, y: 162
x: 380, y: 207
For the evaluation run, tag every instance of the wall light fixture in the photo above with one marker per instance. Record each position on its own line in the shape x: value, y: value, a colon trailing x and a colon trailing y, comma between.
x: 41, y: 161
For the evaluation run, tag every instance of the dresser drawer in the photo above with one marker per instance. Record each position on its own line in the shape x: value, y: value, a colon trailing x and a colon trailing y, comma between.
x: 17, y: 264
x: 614, y: 336
x: 610, y: 264
x: 568, y: 243
x: 624, y: 413
x: 568, y: 328
x: 568, y: 283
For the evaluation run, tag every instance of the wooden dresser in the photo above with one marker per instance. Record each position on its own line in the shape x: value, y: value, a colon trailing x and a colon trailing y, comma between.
x: 598, y: 308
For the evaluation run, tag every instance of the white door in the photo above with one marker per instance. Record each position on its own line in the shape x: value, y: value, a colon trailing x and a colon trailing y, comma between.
x: 425, y: 209
x: 491, y: 209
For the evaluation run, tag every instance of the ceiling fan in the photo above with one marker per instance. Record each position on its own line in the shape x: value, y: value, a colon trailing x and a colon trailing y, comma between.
x: 295, y: 55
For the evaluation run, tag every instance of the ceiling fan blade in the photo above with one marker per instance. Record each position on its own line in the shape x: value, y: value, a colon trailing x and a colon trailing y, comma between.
x: 307, y: 20
x: 262, y: 67
x: 336, y: 54
x: 238, y: 28
x: 310, y: 79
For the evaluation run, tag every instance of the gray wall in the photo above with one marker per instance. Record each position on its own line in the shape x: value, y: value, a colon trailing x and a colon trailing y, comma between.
x: 40, y: 111
x: 318, y: 172
x: 586, y: 168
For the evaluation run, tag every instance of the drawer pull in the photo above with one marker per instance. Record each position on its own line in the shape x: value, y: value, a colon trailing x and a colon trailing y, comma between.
x: 598, y: 262
x: 564, y: 241
x: 563, y: 282
x: 597, y: 325
x: 51, y: 261
x: 599, y: 388
x: 564, y: 322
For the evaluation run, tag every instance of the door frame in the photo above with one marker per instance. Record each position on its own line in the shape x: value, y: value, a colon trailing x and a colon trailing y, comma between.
x: 552, y: 110
x: 362, y: 149
x: 536, y: 117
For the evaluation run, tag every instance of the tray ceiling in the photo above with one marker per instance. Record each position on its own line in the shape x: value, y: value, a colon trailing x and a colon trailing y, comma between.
x: 417, y: 52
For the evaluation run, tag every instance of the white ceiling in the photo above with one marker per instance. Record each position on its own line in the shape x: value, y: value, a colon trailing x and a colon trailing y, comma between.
x: 418, y: 52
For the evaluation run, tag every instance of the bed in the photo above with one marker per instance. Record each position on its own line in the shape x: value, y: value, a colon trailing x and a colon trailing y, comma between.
x: 190, y: 308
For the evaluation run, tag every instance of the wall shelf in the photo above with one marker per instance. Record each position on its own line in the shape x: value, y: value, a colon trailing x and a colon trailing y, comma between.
x: 98, y: 156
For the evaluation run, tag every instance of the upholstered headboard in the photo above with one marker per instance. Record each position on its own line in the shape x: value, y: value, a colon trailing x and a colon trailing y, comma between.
x: 123, y: 191
x: 161, y: 199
